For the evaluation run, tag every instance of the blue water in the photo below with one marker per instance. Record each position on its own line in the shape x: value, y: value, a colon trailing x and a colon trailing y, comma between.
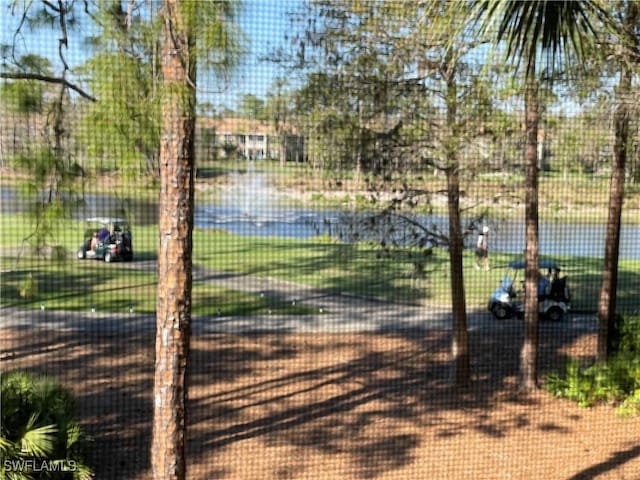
x: 277, y: 221
x: 505, y: 236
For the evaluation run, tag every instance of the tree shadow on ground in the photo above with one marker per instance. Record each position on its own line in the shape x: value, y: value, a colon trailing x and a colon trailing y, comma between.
x: 365, y: 399
x: 363, y: 271
x: 367, y: 407
x: 585, y: 286
x: 616, y: 460
x: 92, y: 280
x: 111, y: 377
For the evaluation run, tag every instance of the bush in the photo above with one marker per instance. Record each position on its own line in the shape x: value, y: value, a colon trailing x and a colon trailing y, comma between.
x: 28, y: 287
x: 39, y: 437
x: 616, y: 381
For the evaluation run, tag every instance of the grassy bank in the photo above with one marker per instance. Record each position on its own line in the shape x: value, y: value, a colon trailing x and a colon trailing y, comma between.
x: 574, y: 198
x: 359, y: 269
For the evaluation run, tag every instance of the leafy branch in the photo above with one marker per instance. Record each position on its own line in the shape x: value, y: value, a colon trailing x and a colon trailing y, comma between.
x: 48, y: 79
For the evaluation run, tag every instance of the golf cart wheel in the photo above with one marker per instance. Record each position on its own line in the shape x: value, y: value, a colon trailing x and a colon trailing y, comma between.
x: 108, y: 257
x: 501, y: 312
x: 81, y: 254
x: 555, y: 314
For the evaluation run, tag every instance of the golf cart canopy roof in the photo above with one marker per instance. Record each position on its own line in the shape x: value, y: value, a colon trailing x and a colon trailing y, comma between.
x: 107, y: 220
x: 542, y: 264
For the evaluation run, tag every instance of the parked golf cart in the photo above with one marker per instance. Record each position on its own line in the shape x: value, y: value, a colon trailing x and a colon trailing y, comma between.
x: 107, y: 239
x: 553, y: 293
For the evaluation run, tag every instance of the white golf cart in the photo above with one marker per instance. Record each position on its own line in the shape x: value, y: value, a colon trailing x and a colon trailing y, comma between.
x: 553, y: 293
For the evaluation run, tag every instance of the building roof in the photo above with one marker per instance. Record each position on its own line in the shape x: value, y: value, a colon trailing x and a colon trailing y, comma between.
x: 246, y: 126
x: 236, y: 125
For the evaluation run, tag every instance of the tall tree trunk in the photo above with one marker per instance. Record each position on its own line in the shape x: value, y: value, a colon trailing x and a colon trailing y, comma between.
x: 529, y: 352
x: 283, y: 149
x: 460, y: 342
x: 175, y: 246
x: 608, y: 290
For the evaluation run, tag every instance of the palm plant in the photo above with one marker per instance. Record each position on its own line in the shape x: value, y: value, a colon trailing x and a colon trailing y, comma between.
x: 37, y: 425
x: 544, y: 35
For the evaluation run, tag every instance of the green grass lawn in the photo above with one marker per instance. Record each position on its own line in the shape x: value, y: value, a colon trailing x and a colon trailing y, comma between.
x: 357, y: 269
x: 83, y: 285
x: 360, y: 269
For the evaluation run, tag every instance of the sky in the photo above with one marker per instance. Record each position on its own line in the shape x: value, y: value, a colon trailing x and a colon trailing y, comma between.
x: 265, y: 23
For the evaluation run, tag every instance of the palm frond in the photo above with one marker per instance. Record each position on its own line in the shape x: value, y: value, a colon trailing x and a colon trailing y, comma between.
x: 82, y: 472
x: 541, y: 32
x: 5, y: 446
x: 38, y: 441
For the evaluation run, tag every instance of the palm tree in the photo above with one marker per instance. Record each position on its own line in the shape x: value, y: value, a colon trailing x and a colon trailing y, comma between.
x: 607, y: 301
x: 540, y: 34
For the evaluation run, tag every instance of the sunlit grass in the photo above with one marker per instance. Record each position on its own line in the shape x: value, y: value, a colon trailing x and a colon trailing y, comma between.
x: 95, y: 286
x: 361, y: 269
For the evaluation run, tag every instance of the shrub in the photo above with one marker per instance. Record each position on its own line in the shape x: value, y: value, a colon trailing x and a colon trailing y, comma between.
x: 28, y: 287
x: 616, y: 381
x: 39, y: 437
x: 631, y: 405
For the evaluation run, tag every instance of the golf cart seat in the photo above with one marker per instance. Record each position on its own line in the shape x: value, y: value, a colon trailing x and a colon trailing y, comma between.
x: 559, y: 291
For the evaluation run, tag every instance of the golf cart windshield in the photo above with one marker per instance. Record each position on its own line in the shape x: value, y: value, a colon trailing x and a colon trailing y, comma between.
x: 507, y: 281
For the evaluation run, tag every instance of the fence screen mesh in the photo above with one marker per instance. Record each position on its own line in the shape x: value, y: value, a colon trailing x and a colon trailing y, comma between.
x: 371, y: 186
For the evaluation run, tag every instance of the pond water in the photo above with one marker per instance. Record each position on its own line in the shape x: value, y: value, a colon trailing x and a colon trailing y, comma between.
x: 255, y: 210
x: 505, y: 236
x: 252, y: 207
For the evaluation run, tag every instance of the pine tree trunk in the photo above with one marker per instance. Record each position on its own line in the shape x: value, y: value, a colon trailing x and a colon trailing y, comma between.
x: 529, y: 352
x: 174, y: 253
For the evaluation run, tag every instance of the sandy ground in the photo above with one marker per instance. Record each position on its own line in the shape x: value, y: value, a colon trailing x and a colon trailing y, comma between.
x: 336, y: 406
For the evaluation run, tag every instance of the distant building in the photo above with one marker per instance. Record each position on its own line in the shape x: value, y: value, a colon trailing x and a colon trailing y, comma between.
x: 250, y: 139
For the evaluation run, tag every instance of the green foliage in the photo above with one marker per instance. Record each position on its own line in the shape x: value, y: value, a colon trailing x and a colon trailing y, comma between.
x: 630, y: 336
x: 27, y: 96
x: 23, y: 97
x: 616, y: 381
x: 219, y: 43
x: 38, y: 426
x: 29, y: 287
x: 253, y: 107
x: 50, y: 190
x: 550, y: 34
x: 631, y: 405
x: 583, y: 385
x: 48, y: 170
x: 122, y: 129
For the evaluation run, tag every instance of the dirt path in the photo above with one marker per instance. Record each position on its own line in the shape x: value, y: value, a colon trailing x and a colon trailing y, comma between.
x: 361, y: 391
x: 337, y: 406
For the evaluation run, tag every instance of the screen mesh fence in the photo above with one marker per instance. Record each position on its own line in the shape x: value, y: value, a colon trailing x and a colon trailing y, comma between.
x: 292, y: 240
